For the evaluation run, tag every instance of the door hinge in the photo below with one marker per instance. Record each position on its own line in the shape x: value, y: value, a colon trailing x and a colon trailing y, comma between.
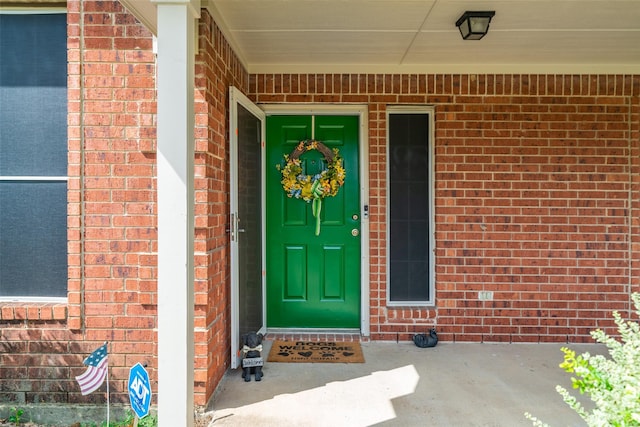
x: 232, y: 227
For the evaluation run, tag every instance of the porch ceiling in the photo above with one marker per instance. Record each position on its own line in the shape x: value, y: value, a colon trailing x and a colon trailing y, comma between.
x: 409, y: 36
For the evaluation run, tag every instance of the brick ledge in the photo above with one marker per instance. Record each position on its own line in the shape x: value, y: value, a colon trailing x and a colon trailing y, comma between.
x: 33, y: 311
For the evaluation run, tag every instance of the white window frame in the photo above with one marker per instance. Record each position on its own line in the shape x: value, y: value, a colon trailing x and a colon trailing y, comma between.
x: 21, y: 10
x: 429, y: 112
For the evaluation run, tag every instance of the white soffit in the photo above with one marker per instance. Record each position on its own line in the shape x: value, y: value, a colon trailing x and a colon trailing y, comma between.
x: 418, y: 36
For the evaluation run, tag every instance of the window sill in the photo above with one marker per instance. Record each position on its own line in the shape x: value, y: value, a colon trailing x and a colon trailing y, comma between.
x: 411, y: 305
x: 30, y: 310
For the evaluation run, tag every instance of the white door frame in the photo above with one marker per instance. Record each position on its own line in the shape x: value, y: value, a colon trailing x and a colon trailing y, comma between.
x: 236, y: 97
x: 345, y: 110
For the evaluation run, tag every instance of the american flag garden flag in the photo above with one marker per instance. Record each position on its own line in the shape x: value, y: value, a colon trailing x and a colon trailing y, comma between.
x: 96, y: 371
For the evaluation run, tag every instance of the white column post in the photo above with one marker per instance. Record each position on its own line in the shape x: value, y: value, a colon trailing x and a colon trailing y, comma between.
x: 175, y: 156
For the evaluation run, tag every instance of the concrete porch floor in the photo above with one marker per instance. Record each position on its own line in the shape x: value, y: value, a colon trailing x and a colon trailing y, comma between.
x: 453, y: 384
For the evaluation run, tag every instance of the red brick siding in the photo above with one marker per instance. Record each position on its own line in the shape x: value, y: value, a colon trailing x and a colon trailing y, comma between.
x: 217, y: 68
x: 116, y: 195
x: 536, y: 198
x: 111, y: 225
x: 112, y: 216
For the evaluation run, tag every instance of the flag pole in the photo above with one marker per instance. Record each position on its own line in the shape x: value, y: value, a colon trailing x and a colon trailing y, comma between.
x: 108, y: 409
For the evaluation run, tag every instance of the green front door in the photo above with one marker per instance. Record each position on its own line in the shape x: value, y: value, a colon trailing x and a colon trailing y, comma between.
x: 313, y: 281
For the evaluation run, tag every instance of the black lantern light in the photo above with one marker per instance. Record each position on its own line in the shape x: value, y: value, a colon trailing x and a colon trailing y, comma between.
x: 474, y: 25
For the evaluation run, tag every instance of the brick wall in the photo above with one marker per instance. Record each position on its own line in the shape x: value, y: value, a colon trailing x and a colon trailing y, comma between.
x: 112, y: 91
x: 536, y: 198
x: 217, y: 68
x: 112, y: 217
x: 111, y: 224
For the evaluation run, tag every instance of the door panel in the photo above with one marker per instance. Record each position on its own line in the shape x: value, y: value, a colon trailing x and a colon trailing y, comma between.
x: 313, y: 281
x: 333, y: 285
x: 249, y: 221
x: 246, y: 227
x: 295, y: 271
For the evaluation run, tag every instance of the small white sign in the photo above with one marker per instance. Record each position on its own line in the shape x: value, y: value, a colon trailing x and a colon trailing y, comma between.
x: 250, y: 362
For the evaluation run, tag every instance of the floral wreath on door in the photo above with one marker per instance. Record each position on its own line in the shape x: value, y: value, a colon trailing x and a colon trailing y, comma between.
x: 312, y: 188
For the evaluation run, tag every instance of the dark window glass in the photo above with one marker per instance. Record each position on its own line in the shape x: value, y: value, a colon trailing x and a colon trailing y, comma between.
x: 33, y: 155
x: 409, y: 194
x: 33, y: 239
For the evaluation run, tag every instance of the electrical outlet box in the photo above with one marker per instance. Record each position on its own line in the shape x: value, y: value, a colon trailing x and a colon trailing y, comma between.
x: 485, y: 295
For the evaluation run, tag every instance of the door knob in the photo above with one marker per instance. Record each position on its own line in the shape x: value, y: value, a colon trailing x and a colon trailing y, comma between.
x: 355, y: 232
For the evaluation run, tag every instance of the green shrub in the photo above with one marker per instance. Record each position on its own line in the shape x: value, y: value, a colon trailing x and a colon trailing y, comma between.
x: 612, y: 384
x: 148, y: 421
x: 16, y: 415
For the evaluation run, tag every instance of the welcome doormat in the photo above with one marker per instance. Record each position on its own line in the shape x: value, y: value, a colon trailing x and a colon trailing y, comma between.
x: 316, y: 352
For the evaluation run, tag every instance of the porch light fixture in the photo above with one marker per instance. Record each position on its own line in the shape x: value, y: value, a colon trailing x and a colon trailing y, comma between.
x: 474, y: 25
